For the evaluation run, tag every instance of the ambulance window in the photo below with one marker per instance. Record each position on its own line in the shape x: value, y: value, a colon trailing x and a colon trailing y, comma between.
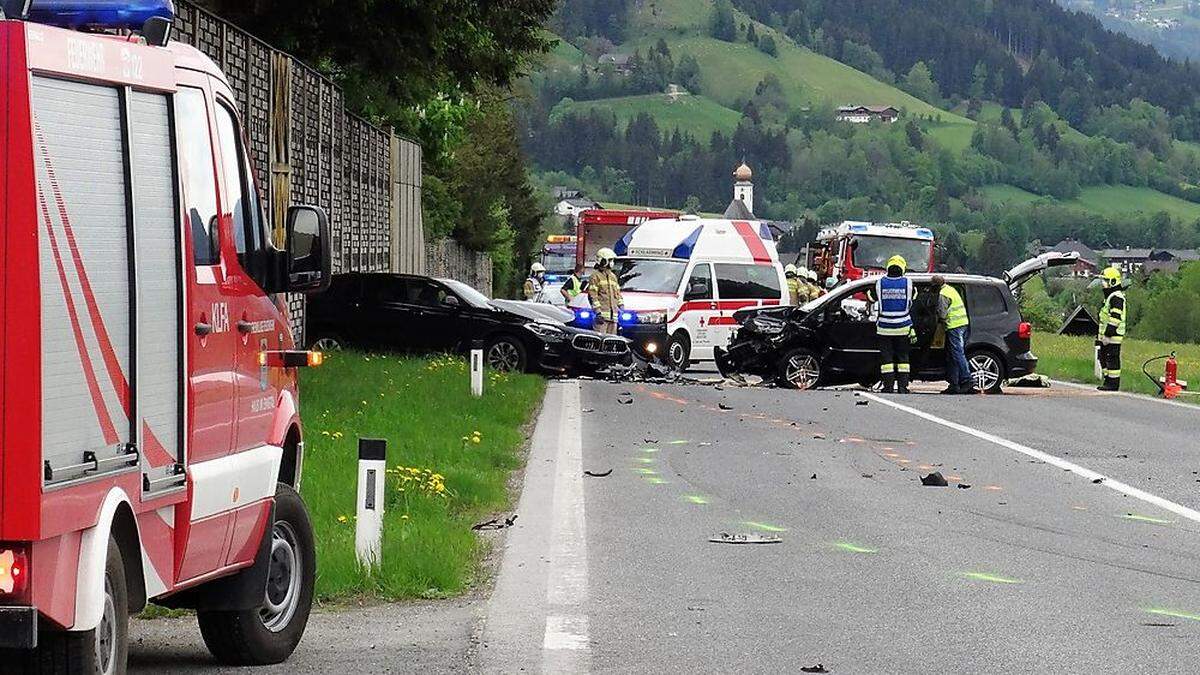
x: 242, y: 197
x: 748, y: 282
x: 199, y: 181
x: 700, y: 286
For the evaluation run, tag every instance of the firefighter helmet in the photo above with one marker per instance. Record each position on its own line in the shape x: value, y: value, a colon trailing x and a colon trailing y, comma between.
x: 812, y: 276
x: 898, y: 261
x: 791, y: 270
x: 1111, y: 276
x: 537, y: 268
x: 605, y: 257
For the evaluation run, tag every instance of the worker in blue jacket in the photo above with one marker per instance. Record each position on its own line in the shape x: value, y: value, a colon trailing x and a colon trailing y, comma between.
x: 895, y: 293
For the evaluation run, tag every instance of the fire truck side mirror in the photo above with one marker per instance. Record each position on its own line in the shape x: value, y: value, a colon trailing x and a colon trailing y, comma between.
x: 309, y: 261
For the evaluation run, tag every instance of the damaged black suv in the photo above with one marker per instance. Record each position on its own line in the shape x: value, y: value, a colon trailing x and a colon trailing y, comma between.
x: 832, y: 341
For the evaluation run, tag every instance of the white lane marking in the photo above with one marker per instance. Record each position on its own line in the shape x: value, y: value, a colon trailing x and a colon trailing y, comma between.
x: 1126, y: 394
x: 566, y: 632
x: 567, y: 584
x: 565, y: 645
x: 1111, y: 483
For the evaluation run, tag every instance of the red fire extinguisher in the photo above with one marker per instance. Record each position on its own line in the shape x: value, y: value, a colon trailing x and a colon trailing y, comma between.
x: 1171, y: 387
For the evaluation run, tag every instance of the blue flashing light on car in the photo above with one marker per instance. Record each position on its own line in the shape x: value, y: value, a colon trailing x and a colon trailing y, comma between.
x: 627, y: 318
x: 925, y: 232
x: 584, y: 318
x: 100, y: 13
x: 552, y: 278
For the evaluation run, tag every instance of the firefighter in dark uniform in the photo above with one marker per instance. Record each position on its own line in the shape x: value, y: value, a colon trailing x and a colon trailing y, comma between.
x: 894, y: 326
x: 1112, y: 329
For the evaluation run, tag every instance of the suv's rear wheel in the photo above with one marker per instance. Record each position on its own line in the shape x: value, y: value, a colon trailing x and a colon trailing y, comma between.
x: 328, y: 343
x: 270, y: 633
x: 987, y: 371
x: 799, y: 369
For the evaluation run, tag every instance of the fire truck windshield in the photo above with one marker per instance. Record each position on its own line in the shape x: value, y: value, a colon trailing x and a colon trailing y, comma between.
x: 650, y: 276
x: 559, y: 261
x: 873, y: 252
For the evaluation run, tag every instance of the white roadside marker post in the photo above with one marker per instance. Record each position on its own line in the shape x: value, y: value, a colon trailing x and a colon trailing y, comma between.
x: 372, y: 478
x: 477, y: 369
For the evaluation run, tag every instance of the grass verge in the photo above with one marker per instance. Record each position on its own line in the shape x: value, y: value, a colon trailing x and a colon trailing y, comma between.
x: 449, y: 460
x: 1070, y: 358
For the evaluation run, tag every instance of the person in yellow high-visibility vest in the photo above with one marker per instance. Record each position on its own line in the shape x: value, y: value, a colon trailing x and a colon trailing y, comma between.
x: 952, y: 314
x: 573, y: 285
x: 793, y: 284
x: 1112, y: 329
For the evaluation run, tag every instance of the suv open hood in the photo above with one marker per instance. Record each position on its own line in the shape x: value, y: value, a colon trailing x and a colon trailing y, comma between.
x: 1025, y: 271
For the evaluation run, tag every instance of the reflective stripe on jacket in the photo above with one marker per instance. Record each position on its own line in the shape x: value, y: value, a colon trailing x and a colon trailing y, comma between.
x: 895, y: 296
x: 1112, y: 318
x: 604, y: 291
x: 793, y: 285
x: 956, y: 316
x: 532, y: 288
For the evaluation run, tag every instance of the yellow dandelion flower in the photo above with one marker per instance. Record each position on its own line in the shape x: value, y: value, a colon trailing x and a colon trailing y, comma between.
x: 342, y: 519
x: 475, y: 440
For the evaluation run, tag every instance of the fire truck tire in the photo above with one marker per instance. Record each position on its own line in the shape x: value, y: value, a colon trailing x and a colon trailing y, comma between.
x: 102, y: 650
x: 270, y: 633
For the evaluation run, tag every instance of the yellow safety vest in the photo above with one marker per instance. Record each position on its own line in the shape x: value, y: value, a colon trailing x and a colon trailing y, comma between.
x: 573, y: 287
x: 793, y: 285
x: 1113, y: 314
x: 957, y: 316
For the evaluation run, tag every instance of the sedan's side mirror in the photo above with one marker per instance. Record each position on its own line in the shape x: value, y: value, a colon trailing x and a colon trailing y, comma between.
x: 450, y: 302
x: 309, y: 258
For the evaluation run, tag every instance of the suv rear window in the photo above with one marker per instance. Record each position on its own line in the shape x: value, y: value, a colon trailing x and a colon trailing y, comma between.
x: 747, y: 282
x: 985, y: 300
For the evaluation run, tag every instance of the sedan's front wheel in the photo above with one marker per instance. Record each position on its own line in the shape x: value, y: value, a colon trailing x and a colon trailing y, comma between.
x: 800, y: 369
x: 505, y: 354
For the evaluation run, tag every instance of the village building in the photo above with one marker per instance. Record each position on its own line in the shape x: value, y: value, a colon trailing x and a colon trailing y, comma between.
x: 865, y: 114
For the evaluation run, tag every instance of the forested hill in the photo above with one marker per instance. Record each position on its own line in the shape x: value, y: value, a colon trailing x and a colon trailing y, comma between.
x: 1019, y: 120
x: 1031, y: 50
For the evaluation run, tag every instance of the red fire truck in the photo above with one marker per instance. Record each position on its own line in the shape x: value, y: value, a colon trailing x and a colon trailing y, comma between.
x: 150, y: 442
x: 853, y: 249
x: 603, y: 228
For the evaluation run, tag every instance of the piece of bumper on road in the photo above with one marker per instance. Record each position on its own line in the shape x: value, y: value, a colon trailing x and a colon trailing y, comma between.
x: 18, y: 627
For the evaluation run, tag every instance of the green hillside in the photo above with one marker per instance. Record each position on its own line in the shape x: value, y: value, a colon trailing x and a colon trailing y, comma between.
x: 1104, y: 200
x: 696, y: 115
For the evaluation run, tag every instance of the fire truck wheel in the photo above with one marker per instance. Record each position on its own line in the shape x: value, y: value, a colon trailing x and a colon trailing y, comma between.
x: 102, y: 650
x: 270, y: 633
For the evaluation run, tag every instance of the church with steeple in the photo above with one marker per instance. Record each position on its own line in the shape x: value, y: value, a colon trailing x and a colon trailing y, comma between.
x: 742, y: 206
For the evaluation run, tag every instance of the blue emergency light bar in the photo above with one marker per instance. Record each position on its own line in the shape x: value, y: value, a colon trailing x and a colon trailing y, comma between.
x: 100, y: 13
x: 627, y: 318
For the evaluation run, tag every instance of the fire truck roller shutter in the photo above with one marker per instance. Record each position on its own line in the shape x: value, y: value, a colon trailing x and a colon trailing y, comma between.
x: 84, y: 273
x: 159, y: 336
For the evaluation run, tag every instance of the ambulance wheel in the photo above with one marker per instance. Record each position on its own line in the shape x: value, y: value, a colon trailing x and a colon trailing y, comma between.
x: 269, y: 634
x: 679, y: 351
x: 799, y: 369
x: 102, y: 650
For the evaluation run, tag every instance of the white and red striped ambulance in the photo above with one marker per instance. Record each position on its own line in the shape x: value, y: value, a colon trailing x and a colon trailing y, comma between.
x: 150, y: 441
x: 683, y: 278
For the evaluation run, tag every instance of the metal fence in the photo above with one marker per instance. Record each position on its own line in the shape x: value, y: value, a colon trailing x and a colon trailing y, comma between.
x: 307, y: 149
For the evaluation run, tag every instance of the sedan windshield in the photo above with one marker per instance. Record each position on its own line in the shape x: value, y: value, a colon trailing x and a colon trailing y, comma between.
x: 873, y: 252
x: 468, y: 294
x: 650, y: 276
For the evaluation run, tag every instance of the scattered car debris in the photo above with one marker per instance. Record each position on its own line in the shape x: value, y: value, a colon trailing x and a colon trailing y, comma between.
x: 935, y: 479
x: 813, y: 477
x: 1033, y: 381
x: 1098, y: 481
x: 964, y: 486
x: 723, y: 406
x: 819, y: 668
x: 868, y: 475
x: 597, y: 474
x: 862, y: 403
x: 587, y: 410
x: 495, y: 523
x: 819, y: 437
x: 744, y: 538
x: 625, y: 401
x: 649, y: 440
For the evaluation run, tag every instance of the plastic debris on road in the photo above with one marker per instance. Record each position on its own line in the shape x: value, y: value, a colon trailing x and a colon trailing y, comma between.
x: 495, y: 523
x: 819, y: 668
x: 597, y: 474
x: 744, y: 538
x: 935, y: 479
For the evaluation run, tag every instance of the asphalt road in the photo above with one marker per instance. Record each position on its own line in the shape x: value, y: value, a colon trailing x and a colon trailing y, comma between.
x: 1034, y: 567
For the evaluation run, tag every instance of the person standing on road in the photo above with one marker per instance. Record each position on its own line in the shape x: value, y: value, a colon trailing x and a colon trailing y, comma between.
x: 893, y: 326
x: 1112, y: 329
x: 952, y: 315
x: 604, y: 291
x: 793, y: 284
x: 533, y: 284
x: 573, y: 285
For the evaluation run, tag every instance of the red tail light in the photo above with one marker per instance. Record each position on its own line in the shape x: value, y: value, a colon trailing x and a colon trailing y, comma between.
x: 14, y: 573
x: 1025, y: 330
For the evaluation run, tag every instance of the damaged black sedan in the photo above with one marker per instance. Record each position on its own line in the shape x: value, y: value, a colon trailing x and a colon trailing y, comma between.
x: 411, y: 313
x: 831, y: 340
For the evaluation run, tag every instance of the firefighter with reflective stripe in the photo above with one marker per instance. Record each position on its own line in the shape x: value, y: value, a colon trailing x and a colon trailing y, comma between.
x: 1112, y: 329
x: 604, y: 292
x: 793, y: 284
x: 573, y: 285
x: 533, y: 285
x: 894, y: 293
x: 952, y: 314
x: 817, y: 291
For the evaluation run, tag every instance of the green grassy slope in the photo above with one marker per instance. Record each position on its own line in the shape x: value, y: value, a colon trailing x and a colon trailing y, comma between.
x: 696, y: 115
x: 1105, y: 200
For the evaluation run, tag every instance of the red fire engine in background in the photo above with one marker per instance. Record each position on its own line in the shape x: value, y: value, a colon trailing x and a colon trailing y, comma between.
x: 603, y: 228
x: 150, y: 441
